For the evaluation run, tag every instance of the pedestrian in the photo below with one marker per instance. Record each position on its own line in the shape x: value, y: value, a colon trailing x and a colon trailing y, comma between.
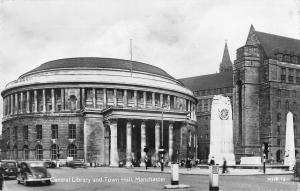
x: 146, y: 162
x: 188, y: 164
x: 212, y: 161
x: 224, y: 169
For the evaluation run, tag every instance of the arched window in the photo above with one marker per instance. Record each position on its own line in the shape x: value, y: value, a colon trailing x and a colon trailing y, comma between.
x: 278, y: 104
x: 25, y: 152
x: 72, y: 151
x: 54, y: 151
x: 15, y: 152
x: 39, y: 152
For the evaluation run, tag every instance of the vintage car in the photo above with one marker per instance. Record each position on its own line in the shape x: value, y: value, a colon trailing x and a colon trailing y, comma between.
x: 33, y: 172
x: 77, y: 164
x: 50, y: 164
x: 10, y: 168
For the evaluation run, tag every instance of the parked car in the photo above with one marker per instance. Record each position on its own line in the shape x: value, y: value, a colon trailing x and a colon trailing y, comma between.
x: 50, y: 164
x: 77, y: 164
x: 33, y: 172
x: 10, y: 168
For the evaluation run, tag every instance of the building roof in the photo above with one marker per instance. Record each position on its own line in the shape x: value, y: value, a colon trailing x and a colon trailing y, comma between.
x: 272, y: 44
x: 98, y: 63
x: 211, y: 81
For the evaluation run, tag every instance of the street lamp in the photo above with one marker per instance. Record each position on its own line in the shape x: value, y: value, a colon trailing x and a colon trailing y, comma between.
x: 162, y: 150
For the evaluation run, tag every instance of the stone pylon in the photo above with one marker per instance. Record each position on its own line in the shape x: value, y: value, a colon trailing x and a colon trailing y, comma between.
x: 289, y: 155
x: 221, y: 131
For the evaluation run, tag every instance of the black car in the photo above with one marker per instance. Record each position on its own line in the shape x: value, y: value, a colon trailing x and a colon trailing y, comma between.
x: 50, y: 164
x: 77, y: 164
x: 10, y: 168
x: 33, y: 172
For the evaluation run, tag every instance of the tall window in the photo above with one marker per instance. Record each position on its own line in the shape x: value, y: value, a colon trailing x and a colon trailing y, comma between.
x: 25, y: 152
x: 283, y: 74
x: 15, y: 133
x: 291, y: 75
x: 15, y: 152
x: 72, y: 131
x: 39, y: 132
x: 25, y: 133
x: 278, y: 104
x: 298, y: 76
x: 39, y: 152
x: 72, y: 151
x: 54, y: 151
x: 287, y: 105
x: 54, y: 131
x: 7, y: 133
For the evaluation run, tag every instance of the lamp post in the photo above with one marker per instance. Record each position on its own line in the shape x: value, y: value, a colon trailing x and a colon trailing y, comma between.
x: 162, y: 150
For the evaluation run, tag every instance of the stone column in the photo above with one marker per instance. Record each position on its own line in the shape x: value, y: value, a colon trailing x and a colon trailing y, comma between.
x: 114, y: 157
x: 125, y: 98
x: 128, y: 144
x: 11, y: 104
x: 161, y: 100
x: 16, y: 103
x: 44, y: 100
x: 157, y: 139
x: 153, y: 99
x: 27, y: 101
x: 104, y: 98
x: 115, y: 97
x: 35, y: 100
x: 94, y: 97
x: 171, y: 141
x: 175, y: 102
x: 286, y: 75
x: 135, y: 98
x: 145, y: 98
x: 169, y: 102
x: 82, y: 98
x: 143, y: 142
x: 62, y: 95
x: 22, y: 101
x: 53, y: 100
x: 294, y: 78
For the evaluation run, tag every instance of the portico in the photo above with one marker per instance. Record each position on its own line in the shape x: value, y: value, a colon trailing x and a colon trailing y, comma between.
x: 132, y: 130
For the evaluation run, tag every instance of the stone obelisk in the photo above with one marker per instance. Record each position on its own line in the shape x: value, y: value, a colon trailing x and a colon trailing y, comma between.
x: 221, y: 131
x: 289, y: 155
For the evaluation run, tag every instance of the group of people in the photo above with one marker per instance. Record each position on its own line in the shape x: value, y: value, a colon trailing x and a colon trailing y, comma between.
x: 224, y: 166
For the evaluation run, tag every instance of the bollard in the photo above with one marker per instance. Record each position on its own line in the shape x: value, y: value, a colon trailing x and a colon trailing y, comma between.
x: 214, y: 178
x: 174, y: 174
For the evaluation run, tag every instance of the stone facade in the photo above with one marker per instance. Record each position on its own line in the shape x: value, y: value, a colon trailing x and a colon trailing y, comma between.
x: 97, y: 113
x: 266, y: 88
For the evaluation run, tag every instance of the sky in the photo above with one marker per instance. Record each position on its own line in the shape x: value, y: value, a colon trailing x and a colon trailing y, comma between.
x: 183, y: 37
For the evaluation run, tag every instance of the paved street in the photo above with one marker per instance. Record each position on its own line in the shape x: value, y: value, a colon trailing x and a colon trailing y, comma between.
x: 128, y: 179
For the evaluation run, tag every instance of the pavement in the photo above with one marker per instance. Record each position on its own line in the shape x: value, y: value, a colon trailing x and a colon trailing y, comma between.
x: 232, y: 172
x: 136, y: 179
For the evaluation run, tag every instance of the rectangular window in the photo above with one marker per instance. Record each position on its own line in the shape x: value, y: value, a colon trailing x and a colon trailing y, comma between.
x: 39, y: 132
x: 54, y: 131
x: 72, y: 131
x: 298, y: 76
x: 291, y: 75
x: 25, y: 133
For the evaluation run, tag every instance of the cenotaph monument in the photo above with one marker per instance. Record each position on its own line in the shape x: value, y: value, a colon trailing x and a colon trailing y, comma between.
x: 289, y: 155
x: 221, y: 131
